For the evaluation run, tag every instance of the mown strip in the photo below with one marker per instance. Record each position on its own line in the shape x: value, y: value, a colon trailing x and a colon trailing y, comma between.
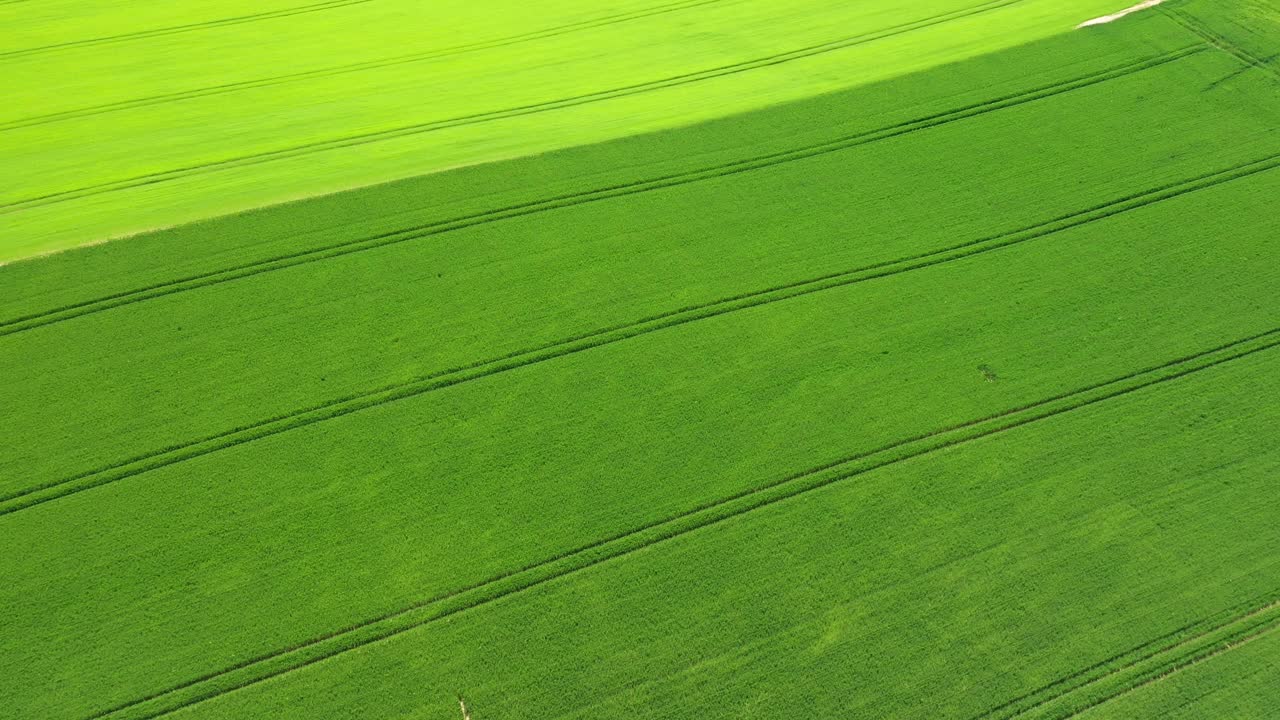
x: 278, y: 262
x: 158, y: 32
x: 354, y: 67
x: 287, y: 660
x: 137, y: 465
x: 477, y: 118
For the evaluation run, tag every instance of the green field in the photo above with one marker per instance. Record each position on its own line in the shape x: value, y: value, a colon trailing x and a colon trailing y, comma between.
x: 716, y: 358
x: 185, y: 117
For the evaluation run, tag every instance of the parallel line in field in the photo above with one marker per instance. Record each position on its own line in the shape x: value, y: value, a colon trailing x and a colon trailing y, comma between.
x: 299, y: 656
x: 346, y: 247
x: 1222, y: 645
x: 355, y: 67
x: 1125, y: 679
x: 1218, y: 41
x: 491, y: 116
x: 1014, y: 705
x: 53, y: 490
x: 158, y: 32
x: 1115, y: 665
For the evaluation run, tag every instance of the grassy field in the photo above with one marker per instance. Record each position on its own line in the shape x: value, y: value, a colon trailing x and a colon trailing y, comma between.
x: 873, y: 361
x: 202, y: 119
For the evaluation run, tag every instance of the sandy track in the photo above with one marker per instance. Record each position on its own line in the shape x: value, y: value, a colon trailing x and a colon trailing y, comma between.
x: 1116, y: 16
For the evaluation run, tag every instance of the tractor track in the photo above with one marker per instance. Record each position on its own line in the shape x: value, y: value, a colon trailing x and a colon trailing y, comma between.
x: 302, y: 655
x: 494, y: 115
x: 50, y: 491
x: 287, y: 260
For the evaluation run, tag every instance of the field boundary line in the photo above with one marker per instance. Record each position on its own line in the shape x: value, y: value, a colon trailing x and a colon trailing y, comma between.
x: 494, y: 115
x: 373, y: 242
x: 1153, y: 650
x: 423, y: 56
x: 307, y: 653
x: 176, y: 29
x: 346, y: 405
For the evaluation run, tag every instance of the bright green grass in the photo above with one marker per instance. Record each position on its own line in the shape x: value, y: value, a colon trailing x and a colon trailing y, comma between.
x: 32, y: 25
x: 1099, y: 504
x: 67, y: 179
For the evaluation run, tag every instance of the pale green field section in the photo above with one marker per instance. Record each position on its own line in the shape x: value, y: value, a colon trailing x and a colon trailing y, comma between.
x: 124, y: 119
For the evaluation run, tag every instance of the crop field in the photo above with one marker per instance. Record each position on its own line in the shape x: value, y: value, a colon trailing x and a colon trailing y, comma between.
x: 697, y: 358
x: 209, y: 109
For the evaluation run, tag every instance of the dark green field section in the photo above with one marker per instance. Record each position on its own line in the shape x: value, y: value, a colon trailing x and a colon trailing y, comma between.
x: 948, y: 397
x: 996, y: 578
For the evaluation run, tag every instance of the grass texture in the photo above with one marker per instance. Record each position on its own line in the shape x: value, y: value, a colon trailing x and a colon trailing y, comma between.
x: 176, y: 121
x: 941, y: 389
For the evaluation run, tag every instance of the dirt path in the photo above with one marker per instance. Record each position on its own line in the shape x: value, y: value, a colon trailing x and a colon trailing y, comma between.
x: 1116, y: 16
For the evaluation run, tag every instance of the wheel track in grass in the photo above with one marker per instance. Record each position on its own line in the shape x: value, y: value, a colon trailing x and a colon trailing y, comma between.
x: 287, y: 260
x: 1236, y: 631
x: 301, y: 655
x: 174, y: 454
x: 1195, y: 27
x: 1218, y: 647
x: 176, y: 29
x: 1228, y: 623
x: 494, y: 115
x: 355, y: 67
